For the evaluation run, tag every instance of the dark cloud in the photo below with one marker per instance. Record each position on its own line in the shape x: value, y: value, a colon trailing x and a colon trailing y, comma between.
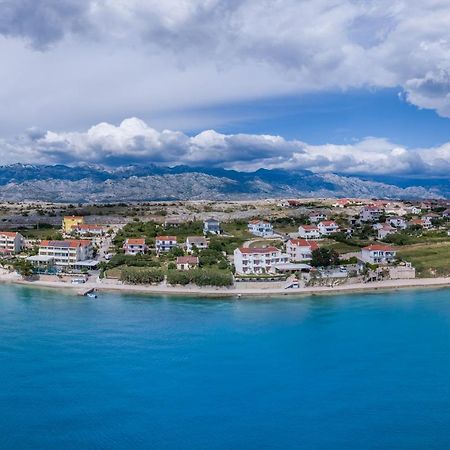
x: 42, y: 22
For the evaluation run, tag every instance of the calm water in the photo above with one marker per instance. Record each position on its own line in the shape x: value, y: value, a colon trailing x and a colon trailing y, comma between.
x: 129, y: 372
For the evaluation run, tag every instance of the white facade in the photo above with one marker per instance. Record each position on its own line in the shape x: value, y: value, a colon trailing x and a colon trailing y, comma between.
x: 67, y: 253
x: 378, y: 254
x: 251, y: 261
x: 308, y: 232
x: 260, y: 228
x: 327, y: 227
x: 370, y: 214
x: 198, y: 242
x: 385, y: 230
x: 135, y: 247
x: 11, y: 242
x: 397, y: 222
x: 165, y: 243
x: 300, y: 250
x: 317, y: 216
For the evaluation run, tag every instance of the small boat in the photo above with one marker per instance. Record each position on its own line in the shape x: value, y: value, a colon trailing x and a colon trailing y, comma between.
x: 91, y: 295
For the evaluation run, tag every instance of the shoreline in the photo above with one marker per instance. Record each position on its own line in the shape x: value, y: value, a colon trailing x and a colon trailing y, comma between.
x: 191, y: 291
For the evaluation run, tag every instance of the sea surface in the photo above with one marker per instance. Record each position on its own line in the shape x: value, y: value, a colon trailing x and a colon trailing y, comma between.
x: 362, y: 371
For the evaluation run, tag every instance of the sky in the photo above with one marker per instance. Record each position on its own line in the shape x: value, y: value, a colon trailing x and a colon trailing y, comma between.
x: 347, y: 86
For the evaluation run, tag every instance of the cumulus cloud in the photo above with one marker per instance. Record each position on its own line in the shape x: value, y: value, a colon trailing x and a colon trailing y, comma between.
x: 283, y: 46
x: 134, y: 141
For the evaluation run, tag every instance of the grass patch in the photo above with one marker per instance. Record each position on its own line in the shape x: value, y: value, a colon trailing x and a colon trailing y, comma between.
x: 430, y: 260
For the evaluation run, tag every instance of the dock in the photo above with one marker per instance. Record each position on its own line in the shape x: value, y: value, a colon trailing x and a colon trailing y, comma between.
x: 84, y: 292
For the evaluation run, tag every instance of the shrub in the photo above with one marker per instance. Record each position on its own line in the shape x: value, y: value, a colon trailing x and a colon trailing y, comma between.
x: 141, y: 276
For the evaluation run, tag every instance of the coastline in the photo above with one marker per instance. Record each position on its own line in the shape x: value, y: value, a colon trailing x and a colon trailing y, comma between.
x: 373, y: 287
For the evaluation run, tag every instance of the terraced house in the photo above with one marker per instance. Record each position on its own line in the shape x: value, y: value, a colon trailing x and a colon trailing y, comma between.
x: 11, y: 242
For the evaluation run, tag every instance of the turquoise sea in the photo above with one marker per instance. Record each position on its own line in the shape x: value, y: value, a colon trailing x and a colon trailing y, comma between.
x: 363, y: 371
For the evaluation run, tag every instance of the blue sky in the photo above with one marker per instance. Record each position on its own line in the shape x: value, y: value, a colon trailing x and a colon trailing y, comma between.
x: 338, y: 117
x: 344, y: 86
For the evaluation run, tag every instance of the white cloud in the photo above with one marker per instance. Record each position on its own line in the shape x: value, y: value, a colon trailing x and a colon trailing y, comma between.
x: 69, y: 63
x: 134, y: 141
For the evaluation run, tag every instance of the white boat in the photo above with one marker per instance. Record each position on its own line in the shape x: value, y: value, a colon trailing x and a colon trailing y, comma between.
x: 91, y: 295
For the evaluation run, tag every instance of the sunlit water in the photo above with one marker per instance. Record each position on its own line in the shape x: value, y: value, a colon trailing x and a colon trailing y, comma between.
x: 135, y: 372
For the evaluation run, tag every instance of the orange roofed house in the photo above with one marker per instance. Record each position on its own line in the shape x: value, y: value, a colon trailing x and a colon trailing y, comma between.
x: 378, y: 254
x: 11, y: 242
x: 67, y: 253
x: 300, y: 249
x: 134, y: 246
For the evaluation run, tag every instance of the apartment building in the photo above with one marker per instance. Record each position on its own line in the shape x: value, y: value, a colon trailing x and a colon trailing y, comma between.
x: 11, y: 242
x: 250, y: 261
x: 370, y: 213
x: 300, y: 250
x: 67, y: 252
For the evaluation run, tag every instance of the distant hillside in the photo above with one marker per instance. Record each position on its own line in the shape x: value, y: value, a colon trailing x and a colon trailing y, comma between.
x: 139, y: 183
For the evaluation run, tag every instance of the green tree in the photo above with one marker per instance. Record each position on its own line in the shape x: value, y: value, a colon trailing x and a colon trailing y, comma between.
x: 324, y: 257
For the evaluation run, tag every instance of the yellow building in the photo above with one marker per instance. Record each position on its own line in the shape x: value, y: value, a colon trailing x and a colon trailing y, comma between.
x: 71, y: 221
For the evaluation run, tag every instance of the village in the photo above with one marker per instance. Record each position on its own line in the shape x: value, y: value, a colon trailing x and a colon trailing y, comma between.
x: 288, y: 244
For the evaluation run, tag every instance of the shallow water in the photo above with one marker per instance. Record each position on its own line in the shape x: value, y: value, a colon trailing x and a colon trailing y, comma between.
x: 362, y: 371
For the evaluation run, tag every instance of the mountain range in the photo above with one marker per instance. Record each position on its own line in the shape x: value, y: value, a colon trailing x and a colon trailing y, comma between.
x: 61, y: 183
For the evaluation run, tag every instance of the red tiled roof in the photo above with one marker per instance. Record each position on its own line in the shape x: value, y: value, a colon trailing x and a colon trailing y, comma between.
x: 135, y: 242
x: 309, y: 227
x: 86, y: 226
x: 381, y: 247
x: 8, y: 233
x: 187, y: 260
x: 66, y: 243
x: 166, y: 238
x: 304, y: 243
x: 258, y: 250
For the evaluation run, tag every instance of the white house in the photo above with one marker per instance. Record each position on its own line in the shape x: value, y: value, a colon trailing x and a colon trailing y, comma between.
x: 11, y: 242
x: 300, y: 249
x: 385, y: 230
x: 196, y: 242
x: 414, y: 210
x: 316, y: 216
x: 370, y: 214
x: 397, y: 222
x: 165, y: 243
x: 211, y: 226
x: 248, y: 261
x: 378, y: 254
x: 260, y: 228
x: 134, y: 246
x: 327, y: 227
x: 308, y: 232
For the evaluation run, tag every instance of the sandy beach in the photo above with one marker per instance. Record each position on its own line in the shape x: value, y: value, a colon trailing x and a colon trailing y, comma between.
x: 235, y: 291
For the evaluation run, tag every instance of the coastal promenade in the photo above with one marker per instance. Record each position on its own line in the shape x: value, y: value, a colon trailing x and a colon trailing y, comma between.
x: 235, y: 291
